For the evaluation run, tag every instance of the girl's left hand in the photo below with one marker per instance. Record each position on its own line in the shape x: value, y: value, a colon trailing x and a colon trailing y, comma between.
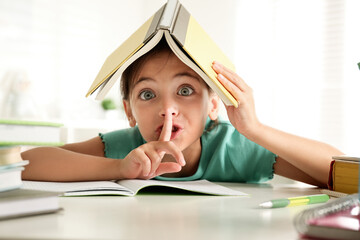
x: 243, y: 118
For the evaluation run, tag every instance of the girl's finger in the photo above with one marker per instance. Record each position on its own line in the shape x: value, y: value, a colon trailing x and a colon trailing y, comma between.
x: 167, y: 167
x: 155, y: 159
x: 231, y: 87
x: 172, y: 149
x: 230, y: 75
x: 165, y: 134
x: 145, y: 163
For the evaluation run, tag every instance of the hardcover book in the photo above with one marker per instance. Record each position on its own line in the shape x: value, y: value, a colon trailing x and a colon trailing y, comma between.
x: 10, y: 175
x: 23, y: 132
x: 344, y: 174
x: 10, y: 155
x: 187, y: 39
x: 21, y: 202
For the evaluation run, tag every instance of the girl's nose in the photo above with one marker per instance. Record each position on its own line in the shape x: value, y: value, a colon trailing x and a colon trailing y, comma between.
x: 168, y: 107
x: 173, y: 113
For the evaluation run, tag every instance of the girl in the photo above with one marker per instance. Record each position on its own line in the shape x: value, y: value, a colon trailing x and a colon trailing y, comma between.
x: 175, y: 134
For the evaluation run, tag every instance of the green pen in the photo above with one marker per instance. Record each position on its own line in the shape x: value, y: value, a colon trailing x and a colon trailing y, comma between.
x: 295, y: 201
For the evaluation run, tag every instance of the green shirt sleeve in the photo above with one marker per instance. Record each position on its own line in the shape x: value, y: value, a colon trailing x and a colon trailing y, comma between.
x: 232, y: 157
x: 118, y: 144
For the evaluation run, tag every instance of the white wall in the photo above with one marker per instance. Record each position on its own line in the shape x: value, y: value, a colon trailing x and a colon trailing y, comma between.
x: 59, y: 46
x: 52, y: 50
x: 300, y: 56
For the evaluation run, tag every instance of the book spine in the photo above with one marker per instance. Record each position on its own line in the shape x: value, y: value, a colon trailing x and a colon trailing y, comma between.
x: 29, y: 143
x: 169, y: 15
x: 29, y: 123
x: 180, y: 26
x: 154, y: 24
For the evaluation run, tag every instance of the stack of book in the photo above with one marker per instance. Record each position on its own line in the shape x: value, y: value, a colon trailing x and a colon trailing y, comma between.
x: 344, y: 174
x: 14, y: 134
x: 11, y: 165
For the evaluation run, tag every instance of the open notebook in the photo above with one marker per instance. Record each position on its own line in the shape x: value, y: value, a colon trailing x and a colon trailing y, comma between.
x: 128, y: 187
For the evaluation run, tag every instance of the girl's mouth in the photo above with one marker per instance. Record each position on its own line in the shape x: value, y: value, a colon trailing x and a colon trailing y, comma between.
x: 175, y: 131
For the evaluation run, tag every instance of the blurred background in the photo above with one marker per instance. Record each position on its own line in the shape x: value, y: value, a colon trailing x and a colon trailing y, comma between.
x: 299, y: 56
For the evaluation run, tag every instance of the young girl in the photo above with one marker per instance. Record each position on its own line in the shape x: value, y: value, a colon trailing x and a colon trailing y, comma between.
x: 175, y: 134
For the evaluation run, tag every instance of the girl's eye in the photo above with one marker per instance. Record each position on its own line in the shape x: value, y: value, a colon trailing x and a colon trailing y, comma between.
x: 185, y: 91
x: 146, y: 95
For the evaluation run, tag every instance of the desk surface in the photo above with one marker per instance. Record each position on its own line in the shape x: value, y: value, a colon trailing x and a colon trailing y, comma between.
x: 171, y: 216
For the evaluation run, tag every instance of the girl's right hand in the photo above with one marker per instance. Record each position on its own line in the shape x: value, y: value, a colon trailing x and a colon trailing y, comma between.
x: 144, y: 162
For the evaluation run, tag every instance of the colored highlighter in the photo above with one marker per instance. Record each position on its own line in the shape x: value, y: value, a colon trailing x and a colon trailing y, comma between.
x: 295, y: 201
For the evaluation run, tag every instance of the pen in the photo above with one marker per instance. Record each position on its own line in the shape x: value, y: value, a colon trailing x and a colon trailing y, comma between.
x: 295, y: 201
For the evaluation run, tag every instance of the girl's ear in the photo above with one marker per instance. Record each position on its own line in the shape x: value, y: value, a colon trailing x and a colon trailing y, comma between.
x: 214, y: 106
x: 128, y: 112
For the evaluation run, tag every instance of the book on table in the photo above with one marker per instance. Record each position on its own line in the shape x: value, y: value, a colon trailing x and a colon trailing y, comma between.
x: 344, y: 174
x: 10, y: 175
x: 16, y: 202
x: 10, y: 155
x: 186, y: 38
x: 22, y: 202
x: 11, y: 165
x: 16, y: 133
x: 338, y: 219
x: 24, y: 132
x: 129, y: 187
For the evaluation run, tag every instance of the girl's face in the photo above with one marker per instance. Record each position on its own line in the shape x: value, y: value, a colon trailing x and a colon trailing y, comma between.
x: 164, y: 84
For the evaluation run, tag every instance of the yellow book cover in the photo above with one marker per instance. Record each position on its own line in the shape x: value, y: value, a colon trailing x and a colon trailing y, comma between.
x: 186, y: 38
x: 346, y: 188
x: 10, y: 155
x: 345, y: 174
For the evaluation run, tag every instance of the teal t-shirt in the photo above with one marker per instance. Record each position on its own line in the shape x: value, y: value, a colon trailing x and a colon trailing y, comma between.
x: 226, y: 155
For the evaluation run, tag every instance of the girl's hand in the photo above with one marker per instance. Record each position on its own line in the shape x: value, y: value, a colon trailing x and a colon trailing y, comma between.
x: 243, y: 118
x: 144, y: 162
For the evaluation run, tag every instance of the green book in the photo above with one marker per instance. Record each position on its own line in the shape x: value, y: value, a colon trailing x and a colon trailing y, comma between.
x: 22, y: 132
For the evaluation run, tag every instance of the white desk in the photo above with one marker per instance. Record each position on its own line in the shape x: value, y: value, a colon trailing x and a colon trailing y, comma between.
x: 171, y: 216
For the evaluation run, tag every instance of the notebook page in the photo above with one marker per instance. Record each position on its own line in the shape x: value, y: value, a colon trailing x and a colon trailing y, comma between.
x: 62, y: 187
x: 199, y: 186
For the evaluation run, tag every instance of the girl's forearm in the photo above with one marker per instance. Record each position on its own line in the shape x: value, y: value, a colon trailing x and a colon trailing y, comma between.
x: 56, y: 164
x: 310, y: 156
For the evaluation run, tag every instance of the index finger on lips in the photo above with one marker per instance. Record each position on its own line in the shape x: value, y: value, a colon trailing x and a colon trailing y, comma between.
x: 165, y: 134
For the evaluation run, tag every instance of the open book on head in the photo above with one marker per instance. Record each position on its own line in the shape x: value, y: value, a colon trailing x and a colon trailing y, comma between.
x: 128, y: 187
x: 186, y: 38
